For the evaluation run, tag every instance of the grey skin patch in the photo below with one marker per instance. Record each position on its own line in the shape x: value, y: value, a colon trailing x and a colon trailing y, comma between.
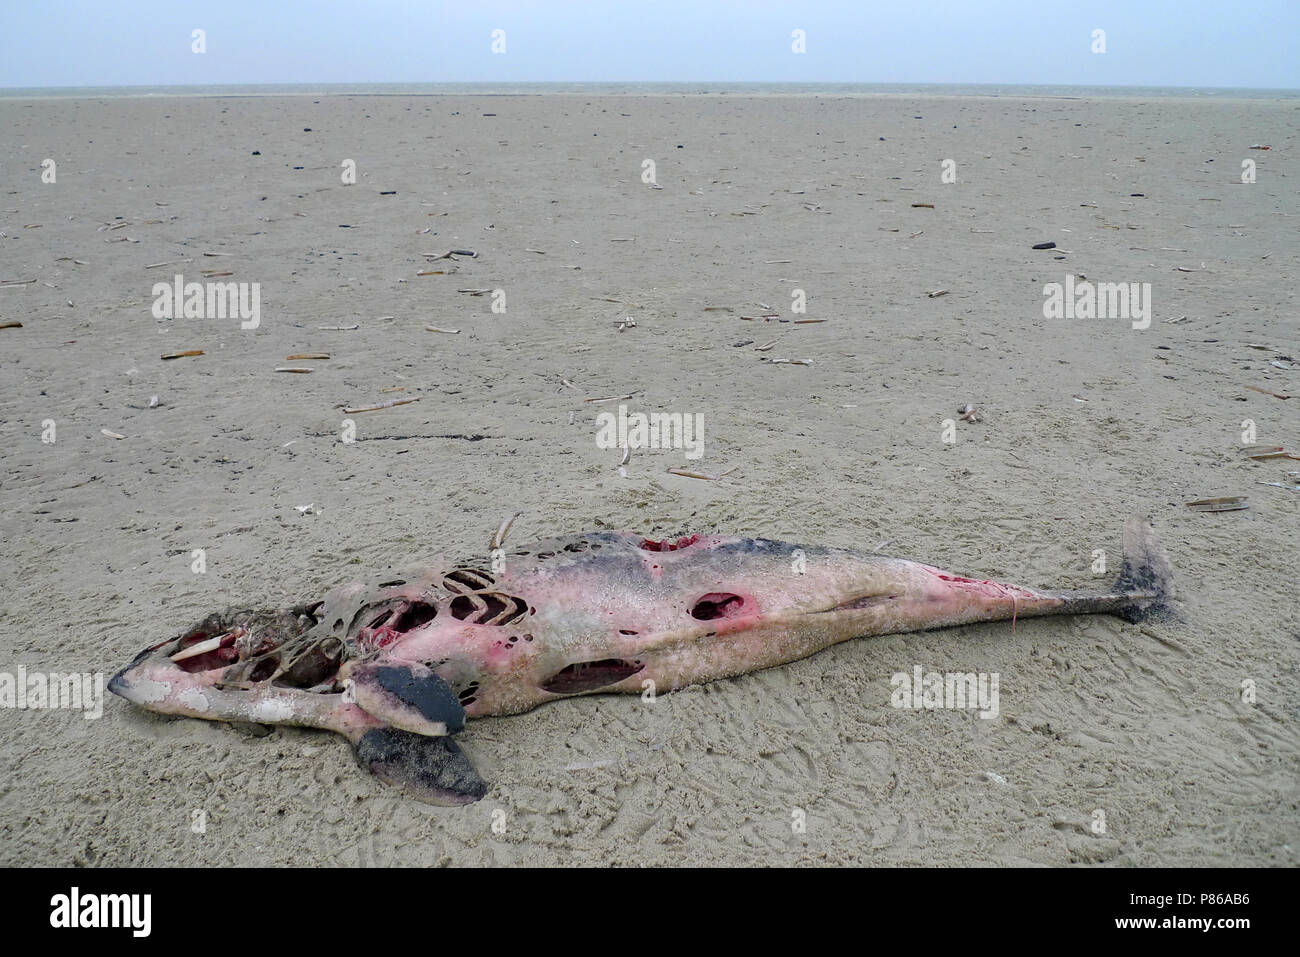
x: 408, y: 696
x: 433, y: 769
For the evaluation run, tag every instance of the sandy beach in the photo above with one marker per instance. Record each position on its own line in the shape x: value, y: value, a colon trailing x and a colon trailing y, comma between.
x: 1116, y: 744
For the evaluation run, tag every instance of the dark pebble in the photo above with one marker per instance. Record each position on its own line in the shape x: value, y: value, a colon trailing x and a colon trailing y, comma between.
x: 1045, y: 245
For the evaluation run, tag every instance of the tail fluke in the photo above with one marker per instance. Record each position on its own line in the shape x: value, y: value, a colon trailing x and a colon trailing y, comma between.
x: 1146, y: 575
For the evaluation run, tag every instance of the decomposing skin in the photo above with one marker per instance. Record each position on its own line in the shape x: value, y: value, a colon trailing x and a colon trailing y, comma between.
x: 397, y: 667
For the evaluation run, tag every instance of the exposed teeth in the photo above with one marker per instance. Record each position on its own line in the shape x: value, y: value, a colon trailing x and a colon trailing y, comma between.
x: 202, y: 648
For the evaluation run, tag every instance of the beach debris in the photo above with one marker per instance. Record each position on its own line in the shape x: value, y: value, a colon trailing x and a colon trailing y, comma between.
x: 111, y: 434
x: 718, y: 309
x: 767, y: 317
x: 11, y: 324
x: 742, y: 342
x: 604, y: 762
x: 300, y: 370
x: 968, y: 413
x: 475, y: 292
x: 1231, y: 503
x: 350, y: 328
x: 1260, y: 452
x: 804, y: 322
x: 182, y: 355
x: 765, y: 346
x: 1044, y: 246
x: 380, y: 405
x: 784, y: 362
x: 627, y: 322
x: 1289, y: 488
x: 1276, y: 395
x: 936, y: 293
x: 502, y: 531
x: 307, y: 509
x: 1258, y: 146
x: 450, y: 253
x: 450, y: 332
x: 435, y: 272
x: 1175, y: 319
x: 153, y: 402
x: 6, y: 283
x: 170, y: 262
x: 1282, y: 364
x: 611, y: 398
x: 923, y: 205
x: 306, y: 355
x: 688, y: 473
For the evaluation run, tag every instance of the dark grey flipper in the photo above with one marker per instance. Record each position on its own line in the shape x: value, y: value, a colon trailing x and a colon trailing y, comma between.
x: 409, y: 696
x: 432, y: 769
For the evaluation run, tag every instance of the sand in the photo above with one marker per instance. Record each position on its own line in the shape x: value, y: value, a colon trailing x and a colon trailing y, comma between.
x: 1082, y: 422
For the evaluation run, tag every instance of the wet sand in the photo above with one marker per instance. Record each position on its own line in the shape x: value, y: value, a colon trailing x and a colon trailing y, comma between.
x: 1081, y: 423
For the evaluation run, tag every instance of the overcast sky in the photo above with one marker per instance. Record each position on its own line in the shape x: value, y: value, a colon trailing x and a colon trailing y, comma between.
x: 1221, y: 43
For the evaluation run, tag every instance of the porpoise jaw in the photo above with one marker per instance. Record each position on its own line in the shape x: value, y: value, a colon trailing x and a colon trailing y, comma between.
x: 397, y: 666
